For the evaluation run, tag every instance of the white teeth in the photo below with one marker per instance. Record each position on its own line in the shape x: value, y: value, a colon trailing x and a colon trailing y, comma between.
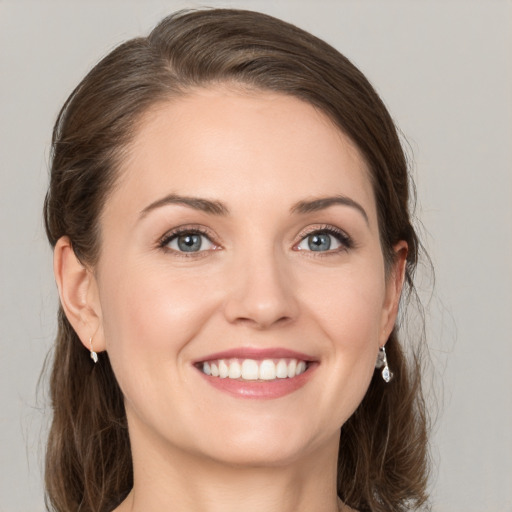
x: 235, y: 370
x: 281, y: 370
x: 223, y: 369
x: 292, y: 366
x: 301, y: 368
x: 251, y: 369
x: 267, y: 370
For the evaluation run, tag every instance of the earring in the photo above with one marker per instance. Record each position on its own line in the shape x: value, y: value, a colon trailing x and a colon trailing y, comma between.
x: 382, y: 361
x: 94, y: 355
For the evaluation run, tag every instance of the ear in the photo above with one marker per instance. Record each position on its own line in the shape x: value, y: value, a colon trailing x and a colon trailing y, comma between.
x: 78, y: 293
x: 394, y: 284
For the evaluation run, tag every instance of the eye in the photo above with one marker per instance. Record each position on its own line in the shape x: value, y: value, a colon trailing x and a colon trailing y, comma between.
x: 188, y: 242
x: 324, y: 240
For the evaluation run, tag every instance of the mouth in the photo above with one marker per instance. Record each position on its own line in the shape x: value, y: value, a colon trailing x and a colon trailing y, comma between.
x: 254, y: 369
x: 257, y: 373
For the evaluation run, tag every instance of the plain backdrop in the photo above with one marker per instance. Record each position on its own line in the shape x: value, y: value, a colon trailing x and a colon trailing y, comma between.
x: 444, y: 68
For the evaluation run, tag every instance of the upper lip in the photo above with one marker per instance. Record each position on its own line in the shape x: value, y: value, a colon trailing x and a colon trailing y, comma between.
x: 257, y: 353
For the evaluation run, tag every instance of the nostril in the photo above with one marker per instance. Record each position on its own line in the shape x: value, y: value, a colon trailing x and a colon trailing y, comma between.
x: 262, y: 322
x: 263, y: 296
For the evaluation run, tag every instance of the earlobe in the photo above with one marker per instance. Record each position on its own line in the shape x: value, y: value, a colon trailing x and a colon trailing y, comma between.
x: 78, y: 294
x: 394, y: 285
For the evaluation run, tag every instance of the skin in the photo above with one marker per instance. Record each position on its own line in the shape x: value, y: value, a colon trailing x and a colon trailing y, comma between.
x: 255, y: 283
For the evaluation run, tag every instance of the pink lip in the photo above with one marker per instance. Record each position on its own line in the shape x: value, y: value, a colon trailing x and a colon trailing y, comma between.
x: 259, y: 389
x: 257, y: 353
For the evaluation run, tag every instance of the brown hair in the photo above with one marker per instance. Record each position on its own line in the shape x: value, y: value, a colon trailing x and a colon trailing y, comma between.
x: 383, y: 446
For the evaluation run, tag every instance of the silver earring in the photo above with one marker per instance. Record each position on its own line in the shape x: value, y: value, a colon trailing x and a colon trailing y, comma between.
x: 94, y: 355
x: 382, y: 362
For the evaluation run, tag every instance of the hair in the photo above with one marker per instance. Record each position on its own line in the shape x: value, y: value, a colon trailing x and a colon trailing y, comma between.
x: 383, y: 455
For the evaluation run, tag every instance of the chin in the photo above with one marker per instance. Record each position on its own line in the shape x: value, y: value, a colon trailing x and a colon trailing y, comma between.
x: 269, y: 444
x: 259, y: 455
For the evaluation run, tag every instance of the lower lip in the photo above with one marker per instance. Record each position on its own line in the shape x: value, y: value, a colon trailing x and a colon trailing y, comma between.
x: 260, y: 389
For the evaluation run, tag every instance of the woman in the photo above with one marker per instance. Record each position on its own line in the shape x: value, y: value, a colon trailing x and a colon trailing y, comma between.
x: 228, y: 211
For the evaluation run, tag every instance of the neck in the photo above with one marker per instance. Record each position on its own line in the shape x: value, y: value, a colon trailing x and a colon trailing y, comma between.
x: 173, y: 479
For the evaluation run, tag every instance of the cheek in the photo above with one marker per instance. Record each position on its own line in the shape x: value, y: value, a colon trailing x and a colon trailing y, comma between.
x: 349, y: 310
x: 149, y: 316
x: 349, y: 306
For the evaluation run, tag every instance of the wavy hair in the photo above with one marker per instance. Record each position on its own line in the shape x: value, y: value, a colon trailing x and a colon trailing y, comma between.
x: 383, y: 456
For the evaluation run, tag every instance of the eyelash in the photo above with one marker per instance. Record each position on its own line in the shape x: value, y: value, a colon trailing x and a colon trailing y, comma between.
x: 185, y: 230
x: 345, y: 240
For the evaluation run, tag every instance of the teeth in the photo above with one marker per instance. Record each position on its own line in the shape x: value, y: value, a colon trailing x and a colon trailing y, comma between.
x: 301, y: 368
x: 281, y: 370
x: 267, y: 370
x: 223, y: 369
x: 251, y: 369
x: 292, y: 366
x: 235, y: 371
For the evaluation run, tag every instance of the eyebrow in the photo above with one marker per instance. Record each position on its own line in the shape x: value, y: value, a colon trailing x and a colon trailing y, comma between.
x: 322, y: 203
x: 204, y: 205
x: 217, y: 208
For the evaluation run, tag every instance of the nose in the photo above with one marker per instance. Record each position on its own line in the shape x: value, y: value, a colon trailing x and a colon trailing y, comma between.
x: 262, y: 293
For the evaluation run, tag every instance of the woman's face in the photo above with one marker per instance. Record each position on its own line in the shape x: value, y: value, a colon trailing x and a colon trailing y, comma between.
x: 241, y: 283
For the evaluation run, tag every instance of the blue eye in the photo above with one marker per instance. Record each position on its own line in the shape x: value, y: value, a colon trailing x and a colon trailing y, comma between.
x: 188, y: 242
x: 324, y: 241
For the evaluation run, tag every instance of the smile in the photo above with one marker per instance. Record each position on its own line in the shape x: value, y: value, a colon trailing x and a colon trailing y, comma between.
x: 254, y: 373
x: 253, y: 369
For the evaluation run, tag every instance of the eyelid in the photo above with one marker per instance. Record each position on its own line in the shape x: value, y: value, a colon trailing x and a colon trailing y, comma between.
x: 345, y: 240
x: 173, y: 233
x: 342, y: 236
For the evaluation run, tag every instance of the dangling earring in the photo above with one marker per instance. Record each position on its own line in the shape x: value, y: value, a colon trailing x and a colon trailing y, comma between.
x: 94, y: 356
x: 382, y: 361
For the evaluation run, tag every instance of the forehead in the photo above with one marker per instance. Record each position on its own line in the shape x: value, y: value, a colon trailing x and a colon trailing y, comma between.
x: 237, y: 144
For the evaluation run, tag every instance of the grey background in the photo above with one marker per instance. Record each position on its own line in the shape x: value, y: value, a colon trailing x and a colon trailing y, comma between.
x: 443, y: 68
